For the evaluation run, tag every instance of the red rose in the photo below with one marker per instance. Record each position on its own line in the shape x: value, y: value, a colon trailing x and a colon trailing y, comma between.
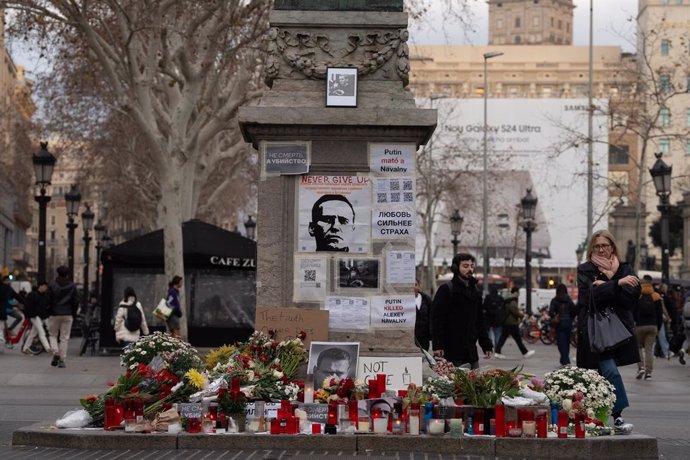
x: 134, y: 390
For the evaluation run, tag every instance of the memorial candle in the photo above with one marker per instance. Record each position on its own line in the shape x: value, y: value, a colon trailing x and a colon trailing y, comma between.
x: 373, y: 389
x: 437, y: 426
x: 381, y: 383
x: 562, y: 424
x: 579, y: 426
x: 500, y: 420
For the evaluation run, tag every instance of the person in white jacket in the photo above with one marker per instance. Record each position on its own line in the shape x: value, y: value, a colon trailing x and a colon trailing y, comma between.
x: 123, y: 335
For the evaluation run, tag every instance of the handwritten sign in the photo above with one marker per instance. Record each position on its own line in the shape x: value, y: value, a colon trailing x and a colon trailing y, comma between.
x: 189, y: 410
x: 316, y: 413
x: 289, y: 322
x: 400, y: 371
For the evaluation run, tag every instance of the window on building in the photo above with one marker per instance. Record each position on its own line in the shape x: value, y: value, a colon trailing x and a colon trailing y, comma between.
x: 499, y: 24
x: 517, y: 22
x: 52, y: 235
x: 517, y: 40
x: 552, y: 21
x: 687, y: 147
x: 687, y: 85
x: 535, y: 21
x: 619, y: 154
x: 567, y: 27
x: 560, y: 25
x: 687, y: 117
x: 664, y: 146
x: 664, y: 117
x: 665, y: 83
x: 52, y: 220
x: 679, y: 2
x: 665, y: 44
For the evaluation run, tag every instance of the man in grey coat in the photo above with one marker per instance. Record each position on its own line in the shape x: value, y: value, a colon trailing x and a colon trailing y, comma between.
x: 63, y: 309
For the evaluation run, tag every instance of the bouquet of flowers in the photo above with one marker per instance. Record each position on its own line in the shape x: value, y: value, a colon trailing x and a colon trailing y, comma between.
x: 440, y: 387
x: 443, y: 367
x: 486, y: 388
x: 178, y: 355
x: 582, y: 391
x: 333, y: 388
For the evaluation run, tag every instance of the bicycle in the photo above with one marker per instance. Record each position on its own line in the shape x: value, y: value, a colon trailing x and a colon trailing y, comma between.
x: 90, y: 331
x: 530, y: 329
x: 36, y: 348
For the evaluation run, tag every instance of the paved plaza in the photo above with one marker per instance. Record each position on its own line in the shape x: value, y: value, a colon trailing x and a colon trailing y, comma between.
x: 33, y: 391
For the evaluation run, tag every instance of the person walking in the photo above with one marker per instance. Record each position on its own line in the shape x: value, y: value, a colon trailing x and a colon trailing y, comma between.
x: 36, y: 310
x: 611, y: 283
x: 7, y: 294
x: 563, y: 309
x: 422, y: 324
x: 63, y: 309
x: 494, y: 306
x: 511, y: 326
x: 130, y: 321
x: 173, y: 321
x: 648, y: 318
x: 457, y: 319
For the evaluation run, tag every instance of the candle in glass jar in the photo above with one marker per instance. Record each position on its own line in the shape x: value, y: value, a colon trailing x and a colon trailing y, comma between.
x: 456, y: 428
x: 381, y: 383
x: 373, y: 389
x: 380, y: 425
x: 363, y: 424
x: 579, y: 426
x: 529, y: 428
x: 413, y: 424
x: 562, y: 424
x: 436, y: 426
x: 398, y: 426
x: 308, y: 395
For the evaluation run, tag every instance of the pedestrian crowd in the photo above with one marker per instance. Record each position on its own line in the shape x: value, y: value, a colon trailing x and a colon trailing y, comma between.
x: 43, y: 318
x: 655, y: 321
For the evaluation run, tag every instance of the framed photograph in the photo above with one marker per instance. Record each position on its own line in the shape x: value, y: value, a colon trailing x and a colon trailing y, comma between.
x: 328, y: 359
x: 358, y: 273
x: 341, y: 87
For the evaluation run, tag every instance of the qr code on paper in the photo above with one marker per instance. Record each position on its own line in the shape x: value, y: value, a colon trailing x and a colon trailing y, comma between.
x: 309, y: 275
x: 408, y: 197
x: 395, y: 197
x: 395, y: 185
x: 407, y: 185
x: 381, y: 198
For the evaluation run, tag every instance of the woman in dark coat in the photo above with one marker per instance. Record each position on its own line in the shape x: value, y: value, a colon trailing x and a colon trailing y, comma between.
x: 563, y: 306
x: 613, y: 284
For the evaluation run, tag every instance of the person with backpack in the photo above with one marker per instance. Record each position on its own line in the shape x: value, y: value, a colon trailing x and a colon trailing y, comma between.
x: 648, y: 318
x: 63, y: 310
x: 494, y: 313
x: 511, y: 326
x: 562, y: 312
x: 130, y: 321
x: 36, y: 310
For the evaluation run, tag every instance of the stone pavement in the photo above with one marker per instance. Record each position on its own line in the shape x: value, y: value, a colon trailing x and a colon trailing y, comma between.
x: 33, y: 391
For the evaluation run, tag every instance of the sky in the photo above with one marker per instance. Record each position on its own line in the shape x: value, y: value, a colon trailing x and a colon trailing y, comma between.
x: 613, y: 21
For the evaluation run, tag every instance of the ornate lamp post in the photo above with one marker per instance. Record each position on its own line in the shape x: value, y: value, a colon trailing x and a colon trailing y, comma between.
x: 99, y: 232
x: 44, y: 163
x: 528, y: 203
x: 455, y: 227
x: 485, y: 192
x: 87, y: 222
x: 250, y: 228
x: 661, y: 175
x: 72, y: 200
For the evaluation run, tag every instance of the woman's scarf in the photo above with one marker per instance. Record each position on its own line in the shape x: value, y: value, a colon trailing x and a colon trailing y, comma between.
x: 608, y: 266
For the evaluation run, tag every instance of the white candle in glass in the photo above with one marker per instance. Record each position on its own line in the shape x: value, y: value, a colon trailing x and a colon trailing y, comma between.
x: 413, y: 424
x: 437, y: 426
x: 363, y: 425
x: 529, y: 428
x: 380, y: 425
x: 308, y: 394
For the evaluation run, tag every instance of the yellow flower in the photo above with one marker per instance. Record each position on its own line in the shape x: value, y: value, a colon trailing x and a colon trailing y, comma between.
x: 196, y: 379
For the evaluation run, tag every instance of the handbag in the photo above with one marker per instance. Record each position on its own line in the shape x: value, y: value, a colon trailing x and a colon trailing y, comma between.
x: 162, y: 310
x: 605, y: 329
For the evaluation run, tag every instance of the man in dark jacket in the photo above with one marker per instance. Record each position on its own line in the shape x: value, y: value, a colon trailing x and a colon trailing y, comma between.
x: 494, y: 306
x: 36, y: 309
x: 422, y: 324
x: 6, y: 294
x: 457, y: 320
x: 63, y: 309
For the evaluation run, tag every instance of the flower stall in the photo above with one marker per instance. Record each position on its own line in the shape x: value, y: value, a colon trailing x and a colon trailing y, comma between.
x: 260, y: 386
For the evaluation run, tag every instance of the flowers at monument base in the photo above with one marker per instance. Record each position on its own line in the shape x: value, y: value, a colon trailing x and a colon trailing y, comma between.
x: 486, y: 388
x: 335, y: 389
x: 178, y: 356
x: 581, y: 391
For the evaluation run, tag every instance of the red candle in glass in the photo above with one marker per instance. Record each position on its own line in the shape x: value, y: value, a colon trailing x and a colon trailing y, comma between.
x: 213, y: 412
x: 315, y: 428
x: 542, y: 426
x: 579, y: 426
x: 479, y: 421
x: 353, y: 411
x: 381, y: 383
x: 193, y: 425
x: 373, y: 389
x: 332, y: 413
x: 402, y: 393
x: 275, y: 426
x: 562, y: 424
x: 500, y: 420
x: 235, y: 385
x: 508, y: 426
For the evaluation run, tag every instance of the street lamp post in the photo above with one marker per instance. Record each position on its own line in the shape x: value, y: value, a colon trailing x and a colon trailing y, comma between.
x: 72, y: 199
x: 44, y: 162
x: 528, y: 203
x: 455, y: 227
x: 250, y: 228
x: 485, y: 193
x: 87, y: 222
x: 99, y: 232
x: 661, y: 175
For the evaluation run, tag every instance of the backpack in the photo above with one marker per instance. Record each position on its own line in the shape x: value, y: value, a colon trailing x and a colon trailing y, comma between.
x: 133, y: 318
x: 646, y: 308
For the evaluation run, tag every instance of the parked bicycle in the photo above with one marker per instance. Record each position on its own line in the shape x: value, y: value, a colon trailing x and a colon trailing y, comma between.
x: 19, y: 338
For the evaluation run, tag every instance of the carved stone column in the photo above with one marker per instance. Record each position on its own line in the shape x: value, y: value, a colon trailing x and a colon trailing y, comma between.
x: 302, y: 45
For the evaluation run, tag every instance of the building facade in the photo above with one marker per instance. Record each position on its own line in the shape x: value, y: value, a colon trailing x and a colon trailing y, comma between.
x: 530, y: 22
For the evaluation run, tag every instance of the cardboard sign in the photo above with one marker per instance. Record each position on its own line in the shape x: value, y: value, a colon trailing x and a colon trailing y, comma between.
x: 270, y: 409
x: 392, y: 158
x: 286, y: 158
x: 400, y: 372
x: 189, y: 410
x: 316, y: 413
x: 288, y: 322
x: 394, y: 312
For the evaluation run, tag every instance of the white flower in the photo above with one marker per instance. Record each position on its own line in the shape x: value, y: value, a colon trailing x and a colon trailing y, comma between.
x: 277, y: 374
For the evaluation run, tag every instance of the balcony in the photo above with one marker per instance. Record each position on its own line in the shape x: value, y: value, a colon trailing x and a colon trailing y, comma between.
x: 20, y: 257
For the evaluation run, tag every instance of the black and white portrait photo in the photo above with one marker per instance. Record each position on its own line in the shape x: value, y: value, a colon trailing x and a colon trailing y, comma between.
x: 341, y: 87
x: 332, y: 359
x: 358, y: 273
x: 334, y: 214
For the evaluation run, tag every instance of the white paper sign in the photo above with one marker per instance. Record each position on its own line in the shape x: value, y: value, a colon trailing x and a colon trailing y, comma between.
x: 334, y: 213
x: 392, y: 158
x: 395, y: 312
x: 394, y: 190
x: 393, y: 224
x: 348, y: 312
x: 310, y: 278
x: 400, y: 371
x: 400, y: 268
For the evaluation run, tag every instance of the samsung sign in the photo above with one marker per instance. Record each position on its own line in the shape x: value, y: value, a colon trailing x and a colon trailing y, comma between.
x: 239, y: 262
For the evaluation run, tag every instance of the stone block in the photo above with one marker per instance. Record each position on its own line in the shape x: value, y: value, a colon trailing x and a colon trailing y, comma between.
x: 483, y: 446
x: 603, y: 447
x: 261, y: 442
